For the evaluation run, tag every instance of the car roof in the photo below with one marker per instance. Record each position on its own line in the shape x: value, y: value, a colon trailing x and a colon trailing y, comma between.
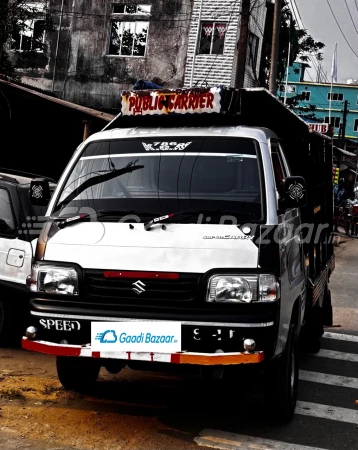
x: 17, y: 177
x: 259, y: 133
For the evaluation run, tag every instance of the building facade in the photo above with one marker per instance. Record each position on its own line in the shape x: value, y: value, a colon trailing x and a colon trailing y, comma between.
x: 314, y: 99
x: 97, y: 48
x: 213, y: 61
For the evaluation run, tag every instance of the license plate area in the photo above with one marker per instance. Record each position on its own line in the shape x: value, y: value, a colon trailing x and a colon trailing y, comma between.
x: 211, y: 338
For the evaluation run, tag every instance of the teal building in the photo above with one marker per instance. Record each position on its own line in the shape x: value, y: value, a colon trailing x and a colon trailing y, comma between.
x: 311, y: 99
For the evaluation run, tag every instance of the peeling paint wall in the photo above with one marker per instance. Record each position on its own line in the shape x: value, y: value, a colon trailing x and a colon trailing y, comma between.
x: 87, y: 74
x: 82, y: 71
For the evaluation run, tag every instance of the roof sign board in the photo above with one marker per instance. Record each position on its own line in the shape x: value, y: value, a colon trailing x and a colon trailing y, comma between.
x: 171, y: 101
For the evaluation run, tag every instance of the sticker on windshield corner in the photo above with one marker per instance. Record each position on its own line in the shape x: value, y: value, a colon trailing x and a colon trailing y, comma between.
x: 234, y: 158
x: 238, y: 158
x: 165, y: 146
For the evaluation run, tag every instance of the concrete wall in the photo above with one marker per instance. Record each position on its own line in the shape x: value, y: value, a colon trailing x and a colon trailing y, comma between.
x: 86, y: 74
x: 83, y: 72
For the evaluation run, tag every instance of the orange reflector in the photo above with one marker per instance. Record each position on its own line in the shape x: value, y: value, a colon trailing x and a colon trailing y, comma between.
x: 220, y: 359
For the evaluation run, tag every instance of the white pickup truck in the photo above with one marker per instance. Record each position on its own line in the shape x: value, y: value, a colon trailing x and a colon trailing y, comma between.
x: 178, y: 235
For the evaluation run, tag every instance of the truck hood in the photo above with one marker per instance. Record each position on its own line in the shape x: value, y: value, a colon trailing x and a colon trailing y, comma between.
x: 180, y: 248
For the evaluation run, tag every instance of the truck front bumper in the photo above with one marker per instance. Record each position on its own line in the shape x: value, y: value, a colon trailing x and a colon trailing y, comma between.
x: 203, y: 359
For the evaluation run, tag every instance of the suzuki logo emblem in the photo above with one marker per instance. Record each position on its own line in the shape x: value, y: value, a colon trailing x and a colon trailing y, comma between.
x: 138, y: 287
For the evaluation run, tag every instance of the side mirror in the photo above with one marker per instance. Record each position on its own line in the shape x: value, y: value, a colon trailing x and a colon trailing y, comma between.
x: 294, y: 192
x: 40, y: 192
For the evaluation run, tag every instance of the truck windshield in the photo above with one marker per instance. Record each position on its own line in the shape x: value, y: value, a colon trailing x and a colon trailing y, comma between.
x: 151, y: 177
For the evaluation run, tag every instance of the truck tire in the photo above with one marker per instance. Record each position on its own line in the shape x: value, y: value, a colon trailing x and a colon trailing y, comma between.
x: 9, y: 333
x: 76, y: 373
x: 3, y: 331
x: 327, y: 310
x: 13, y: 319
x: 312, y: 331
x: 281, y: 381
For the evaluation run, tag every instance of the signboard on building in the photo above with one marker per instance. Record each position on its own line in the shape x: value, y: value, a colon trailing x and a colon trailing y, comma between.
x: 171, y: 101
x: 320, y: 127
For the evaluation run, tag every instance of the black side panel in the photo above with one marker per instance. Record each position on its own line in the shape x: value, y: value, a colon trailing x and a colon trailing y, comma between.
x: 269, y: 255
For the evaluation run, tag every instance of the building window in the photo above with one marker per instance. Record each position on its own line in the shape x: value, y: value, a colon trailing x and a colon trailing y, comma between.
x: 305, y: 96
x: 131, y: 9
x: 31, y: 38
x: 355, y: 128
x: 129, y: 32
x: 212, y: 38
x: 335, y: 96
x: 335, y: 121
x: 290, y: 88
x: 252, y: 50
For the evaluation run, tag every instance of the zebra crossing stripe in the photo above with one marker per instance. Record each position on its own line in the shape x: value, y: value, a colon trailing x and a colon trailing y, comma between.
x: 340, y: 337
x: 332, y: 354
x: 327, y: 412
x: 232, y: 441
x: 332, y: 380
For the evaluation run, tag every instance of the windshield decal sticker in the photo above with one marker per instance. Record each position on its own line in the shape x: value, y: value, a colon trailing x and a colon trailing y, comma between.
x: 238, y: 158
x: 165, y: 146
x: 229, y: 236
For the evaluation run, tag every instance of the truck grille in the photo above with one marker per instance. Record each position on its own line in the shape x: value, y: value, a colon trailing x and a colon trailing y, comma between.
x: 119, y: 291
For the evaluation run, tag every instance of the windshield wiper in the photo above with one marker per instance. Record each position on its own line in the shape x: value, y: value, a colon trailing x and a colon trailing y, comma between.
x: 101, y: 213
x: 192, y: 212
x: 63, y: 222
x: 96, y: 180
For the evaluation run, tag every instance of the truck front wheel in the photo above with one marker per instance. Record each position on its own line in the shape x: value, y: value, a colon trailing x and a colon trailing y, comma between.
x: 281, y: 381
x: 77, y: 374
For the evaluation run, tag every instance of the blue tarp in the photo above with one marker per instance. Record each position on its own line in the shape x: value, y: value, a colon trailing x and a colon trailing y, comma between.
x: 143, y: 84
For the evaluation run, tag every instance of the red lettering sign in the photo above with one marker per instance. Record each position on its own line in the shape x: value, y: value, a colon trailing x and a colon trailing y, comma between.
x: 171, y: 101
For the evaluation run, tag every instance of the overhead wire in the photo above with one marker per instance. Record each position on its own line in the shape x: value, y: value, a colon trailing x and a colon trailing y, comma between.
x: 350, y: 15
x: 345, y: 38
x: 300, y: 24
x: 296, y: 13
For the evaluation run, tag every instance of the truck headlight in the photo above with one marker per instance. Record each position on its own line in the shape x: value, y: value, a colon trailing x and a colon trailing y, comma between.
x: 54, y: 279
x: 229, y: 288
x: 242, y: 289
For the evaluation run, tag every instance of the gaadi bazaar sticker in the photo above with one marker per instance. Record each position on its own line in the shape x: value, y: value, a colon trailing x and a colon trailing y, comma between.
x: 163, y: 102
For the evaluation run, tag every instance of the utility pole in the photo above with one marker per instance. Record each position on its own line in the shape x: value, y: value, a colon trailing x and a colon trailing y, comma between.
x: 86, y: 129
x: 274, y: 49
x: 345, y: 112
x: 242, y: 44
